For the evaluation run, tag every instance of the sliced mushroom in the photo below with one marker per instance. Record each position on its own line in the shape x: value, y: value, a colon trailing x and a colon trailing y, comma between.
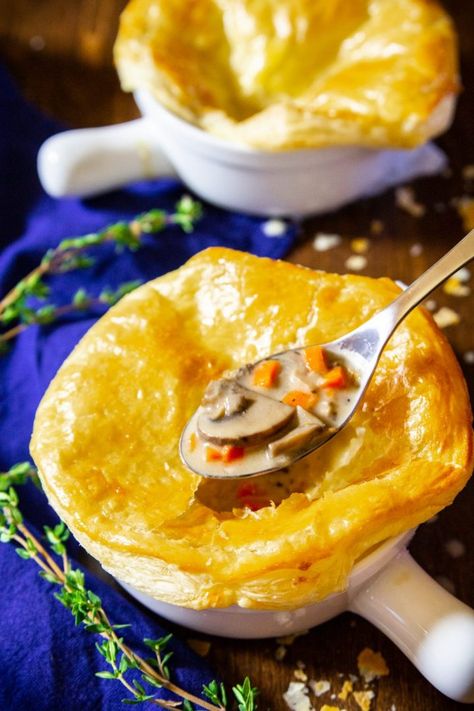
x: 295, y: 439
x: 261, y: 418
x: 224, y: 398
x: 308, y: 427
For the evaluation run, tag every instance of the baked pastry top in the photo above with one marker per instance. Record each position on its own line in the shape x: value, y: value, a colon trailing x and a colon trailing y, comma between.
x: 106, y: 436
x: 303, y: 73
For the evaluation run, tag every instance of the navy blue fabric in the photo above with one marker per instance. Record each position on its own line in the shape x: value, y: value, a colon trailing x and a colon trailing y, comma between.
x: 46, y: 663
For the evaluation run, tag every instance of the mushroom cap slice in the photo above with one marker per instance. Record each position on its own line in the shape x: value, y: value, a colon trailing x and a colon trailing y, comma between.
x: 262, y: 418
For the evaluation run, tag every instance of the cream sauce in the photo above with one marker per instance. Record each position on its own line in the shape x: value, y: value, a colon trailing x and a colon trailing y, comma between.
x: 320, y: 412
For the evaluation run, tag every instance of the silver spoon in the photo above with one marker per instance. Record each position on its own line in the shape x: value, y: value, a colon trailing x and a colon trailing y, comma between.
x: 362, y: 349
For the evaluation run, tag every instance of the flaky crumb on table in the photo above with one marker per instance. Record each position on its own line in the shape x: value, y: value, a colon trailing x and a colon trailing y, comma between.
x: 296, y: 697
x: 405, y: 200
x: 320, y: 687
x: 446, y: 317
x: 363, y: 699
x: 465, y: 208
x: 371, y: 665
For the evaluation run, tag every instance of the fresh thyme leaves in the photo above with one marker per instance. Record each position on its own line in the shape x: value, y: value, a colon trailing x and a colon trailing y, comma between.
x: 245, y: 694
x: 138, y: 675
x: 162, y: 657
x: 16, y: 310
x: 216, y: 693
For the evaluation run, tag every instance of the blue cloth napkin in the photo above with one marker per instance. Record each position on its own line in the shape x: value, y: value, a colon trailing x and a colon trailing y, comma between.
x: 46, y: 662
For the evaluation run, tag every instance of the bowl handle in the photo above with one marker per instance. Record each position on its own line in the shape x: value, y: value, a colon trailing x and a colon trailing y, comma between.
x: 433, y: 628
x: 92, y: 160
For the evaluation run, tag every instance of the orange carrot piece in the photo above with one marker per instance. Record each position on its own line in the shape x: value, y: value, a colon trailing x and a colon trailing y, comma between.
x: 255, y: 504
x: 248, y: 489
x: 231, y: 452
x: 336, y: 378
x: 315, y: 358
x: 252, y: 496
x: 213, y: 455
x: 265, y: 374
x: 298, y: 397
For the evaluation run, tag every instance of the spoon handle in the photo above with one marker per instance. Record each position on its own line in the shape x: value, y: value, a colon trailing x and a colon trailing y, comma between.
x: 370, y: 338
x: 453, y: 260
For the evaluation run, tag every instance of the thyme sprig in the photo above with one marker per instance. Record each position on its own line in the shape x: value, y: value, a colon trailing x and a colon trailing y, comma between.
x: 81, y: 301
x: 141, y: 677
x: 16, y: 310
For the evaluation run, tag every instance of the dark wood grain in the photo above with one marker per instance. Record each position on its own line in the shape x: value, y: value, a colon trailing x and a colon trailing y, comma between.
x: 60, y: 54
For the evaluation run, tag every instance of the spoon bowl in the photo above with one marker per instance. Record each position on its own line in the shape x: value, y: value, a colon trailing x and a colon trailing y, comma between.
x: 359, y: 351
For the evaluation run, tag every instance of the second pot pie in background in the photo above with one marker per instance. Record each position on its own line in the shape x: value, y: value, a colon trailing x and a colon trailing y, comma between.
x: 108, y: 453
x: 301, y: 73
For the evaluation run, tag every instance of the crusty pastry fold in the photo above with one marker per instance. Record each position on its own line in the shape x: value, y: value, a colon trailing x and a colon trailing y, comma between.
x: 106, y: 436
x: 296, y: 74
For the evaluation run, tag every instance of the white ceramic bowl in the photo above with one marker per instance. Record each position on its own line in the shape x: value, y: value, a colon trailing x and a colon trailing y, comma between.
x: 295, y: 183
x: 387, y: 587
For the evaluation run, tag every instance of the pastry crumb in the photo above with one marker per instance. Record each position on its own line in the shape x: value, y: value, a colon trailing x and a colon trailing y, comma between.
x: 446, y: 317
x: 463, y: 274
x: 356, y: 262
x: 323, y: 242
x: 200, y: 646
x: 468, y: 357
x: 431, y: 305
x: 405, y: 199
x: 37, y: 43
x: 280, y: 652
x: 288, y: 639
x: 347, y: 689
x: 319, y: 687
x: 360, y: 245
x: 376, y: 227
x: 363, y: 699
x: 296, y: 697
x: 300, y: 675
x: 274, y: 228
x: 416, y: 249
x: 468, y: 172
x: 455, y: 548
x: 371, y: 665
x: 454, y: 287
x: 465, y: 208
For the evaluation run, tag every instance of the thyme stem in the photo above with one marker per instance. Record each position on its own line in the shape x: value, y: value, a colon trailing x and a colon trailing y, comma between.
x: 95, y: 617
x: 16, y: 312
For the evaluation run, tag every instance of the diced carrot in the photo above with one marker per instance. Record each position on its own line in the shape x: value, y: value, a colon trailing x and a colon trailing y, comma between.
x: 230, y: 452
x: 252, y: 496
x: 298, y: 397
x: 336, y: 378
x: 248, y: 489
x: 192, y: 441
x: 315, y: 358
x: 213, y: 455
x: 255, y: 504
x: 265, y: 374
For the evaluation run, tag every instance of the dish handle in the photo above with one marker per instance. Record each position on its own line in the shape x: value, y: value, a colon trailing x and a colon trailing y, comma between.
x: 88, y: 161
x: 433, y: 628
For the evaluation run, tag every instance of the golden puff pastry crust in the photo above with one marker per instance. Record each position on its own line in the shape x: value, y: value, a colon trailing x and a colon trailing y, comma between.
x: 106, y: 436
x: 303, y: 73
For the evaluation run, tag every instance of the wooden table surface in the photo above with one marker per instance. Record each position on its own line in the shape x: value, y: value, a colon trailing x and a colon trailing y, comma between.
x: 60, y: 55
